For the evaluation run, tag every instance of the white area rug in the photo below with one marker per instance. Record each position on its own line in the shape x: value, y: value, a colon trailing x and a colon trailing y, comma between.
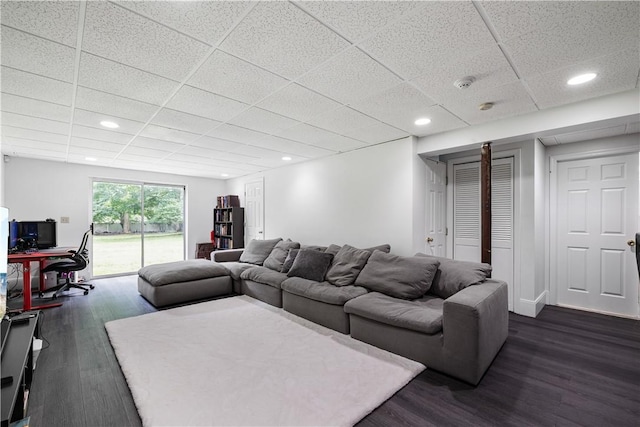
x: 238, y: 361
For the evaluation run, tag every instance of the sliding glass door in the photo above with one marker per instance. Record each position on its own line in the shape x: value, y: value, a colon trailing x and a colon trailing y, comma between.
x: 136, y: 224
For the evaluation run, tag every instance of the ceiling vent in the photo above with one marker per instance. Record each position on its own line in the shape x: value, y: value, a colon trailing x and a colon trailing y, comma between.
x: 464, y: 82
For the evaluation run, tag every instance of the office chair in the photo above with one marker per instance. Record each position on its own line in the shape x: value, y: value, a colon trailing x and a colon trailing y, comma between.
x: 78, y: 261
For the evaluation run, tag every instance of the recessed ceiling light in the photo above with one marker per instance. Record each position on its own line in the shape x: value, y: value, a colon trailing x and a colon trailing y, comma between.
x: 110, y: 125
x: 582, y: 78
x: 286, y: 158
x: 423, y: 121
x: 224, y: 174
x: 90, y: 159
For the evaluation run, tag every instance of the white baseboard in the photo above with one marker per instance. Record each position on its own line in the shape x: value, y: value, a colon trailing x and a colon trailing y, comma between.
x: 532, y: 308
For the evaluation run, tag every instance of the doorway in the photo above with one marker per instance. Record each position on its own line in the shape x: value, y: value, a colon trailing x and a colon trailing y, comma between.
x: 254, y: 210
x: 136, y: 224
x: 595, y: 215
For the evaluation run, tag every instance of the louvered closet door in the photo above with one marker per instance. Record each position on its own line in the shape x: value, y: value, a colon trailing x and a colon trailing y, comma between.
x: 466, y: 216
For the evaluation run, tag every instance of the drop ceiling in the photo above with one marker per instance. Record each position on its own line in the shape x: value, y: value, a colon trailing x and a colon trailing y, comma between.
x: 224, y: 89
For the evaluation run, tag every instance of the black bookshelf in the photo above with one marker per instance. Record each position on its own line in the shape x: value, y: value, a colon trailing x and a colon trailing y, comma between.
x: 228, y: 228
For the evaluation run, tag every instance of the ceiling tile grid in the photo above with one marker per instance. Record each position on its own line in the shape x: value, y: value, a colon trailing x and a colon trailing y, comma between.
x: 46, y: 58
x: 36, y: 108
x: 32, y: 134
x: 35, y: 123
x: 183, y: 121
x: 29, y: 85
x: 117, y: 106
x: 206, y: 104
x: 56, y: 21
x: 280, y: 37
x: 298, y: 103
x: 262, y: 120
x: 93, y: 119
x: 115, y: 33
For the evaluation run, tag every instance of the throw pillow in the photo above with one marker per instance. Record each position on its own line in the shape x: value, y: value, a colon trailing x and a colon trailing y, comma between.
x: 311, y: 265
x: 278, y: 255
x: 398, y: 276
x: 258, y: 250
x: 386, y: 248
x: 332, y: 249
x: 288, y: 262
x: 346, y: 265
x: 454, y: 275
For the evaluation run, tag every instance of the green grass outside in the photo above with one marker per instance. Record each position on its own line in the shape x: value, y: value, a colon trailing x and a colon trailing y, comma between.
x: 120, y: 253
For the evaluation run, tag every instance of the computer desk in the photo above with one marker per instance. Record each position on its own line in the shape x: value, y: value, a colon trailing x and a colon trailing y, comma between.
x: 26, y: 259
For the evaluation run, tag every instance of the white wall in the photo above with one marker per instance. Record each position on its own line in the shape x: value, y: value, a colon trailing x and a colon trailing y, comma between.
x: 362, y: 198
x: 2, y: 180
x: 37, y: 189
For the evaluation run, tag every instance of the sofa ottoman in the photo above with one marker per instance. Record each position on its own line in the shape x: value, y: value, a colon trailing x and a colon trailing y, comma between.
x: 183, y: 281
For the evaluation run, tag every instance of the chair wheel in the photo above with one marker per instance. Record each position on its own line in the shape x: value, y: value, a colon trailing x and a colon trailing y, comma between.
x: 92, y: 287
x: 86, y: 292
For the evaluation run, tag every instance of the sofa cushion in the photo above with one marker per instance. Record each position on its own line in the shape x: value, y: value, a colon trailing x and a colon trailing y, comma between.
x: 258, y: 250
x: 235, y: 268
x: 398, y: 276
x: 278, y: 255
x: 386, y: 248
x: 288, y: 262
x: 314, y: 247
x: 332, y: 249
x: 454, y: 275
x: 421, y: 315
x: 181, y: 271
x: 264, y: 275
x: 310, y: 264
x: 322, y: 291
x: 346, y: 265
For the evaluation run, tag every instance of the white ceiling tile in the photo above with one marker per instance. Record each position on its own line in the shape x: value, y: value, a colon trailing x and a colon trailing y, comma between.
x: 437, y: 31
x: 54, y: 20
x: 118, y: 106
x: 263, y: 121
x: 237, y: 134
x: 273, y: 163
x: 376, y: 134
x: 92, y: 119
x: 149, y: 153
x: 36, y: 135
x: 112, y: 77
x: 168, y: 134
x: 282, y: 38
x: 137, y: 161
x: 122, y: 36
x: 509, y: 100
x: 35, y: 108
x: 156, y: 144
x: 321, y: 138
x: 234, y: 157
x: 357, y: 19
x: 616, y: 73
x: 45, y: 58
x: 20, y: 144
x: 350, y: 76
x: 39, y: 153
x: 182, y: 121
x: 35, y: 123
x: 590, y: 134
x: 205, y: 104
x: 399, y: 106
x: 96, y: 145
x: 214, y: 143
x: 441, y: 121
x: 82, y: 152
x: 33, y: 86
x: 342, y: 120
x: 100, y: 134
x: 586, y: 30
x: 489, y: 68
x: 207, y: 21
x: 257, y: 152
x: 297, y: 149
x: 298, y: 103
x: 234, y: 78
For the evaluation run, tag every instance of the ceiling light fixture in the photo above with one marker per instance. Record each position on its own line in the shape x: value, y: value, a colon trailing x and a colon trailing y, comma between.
x: 90, y: 159
x: 224, y: 174
x: 286, y: 158
x: 110, y: 125
x: 422, y: 121
x: 485, y: 106
x: 582, y: 78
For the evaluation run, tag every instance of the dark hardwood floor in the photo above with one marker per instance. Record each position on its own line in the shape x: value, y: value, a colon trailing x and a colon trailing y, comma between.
x: 564, y: 368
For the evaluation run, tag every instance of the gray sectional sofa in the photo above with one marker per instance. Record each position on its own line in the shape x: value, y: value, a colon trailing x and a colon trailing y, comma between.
x: 443, y: 313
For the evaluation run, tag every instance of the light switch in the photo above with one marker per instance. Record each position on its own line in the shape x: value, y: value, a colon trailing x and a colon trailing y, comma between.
x: 64, y: 220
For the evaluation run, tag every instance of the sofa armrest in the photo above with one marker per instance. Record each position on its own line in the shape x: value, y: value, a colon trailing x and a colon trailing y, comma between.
x: 226, y: 255
x: 475, y: 324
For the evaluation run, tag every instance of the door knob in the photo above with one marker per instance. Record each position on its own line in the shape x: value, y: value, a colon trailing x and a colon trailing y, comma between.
x: 631, y: 242
x: 429, y: 239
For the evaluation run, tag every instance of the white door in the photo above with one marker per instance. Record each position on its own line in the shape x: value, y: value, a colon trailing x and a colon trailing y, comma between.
x: 436, y: 221
x: 597, y: 212
x: 467, y: 217
x: 254, y: 210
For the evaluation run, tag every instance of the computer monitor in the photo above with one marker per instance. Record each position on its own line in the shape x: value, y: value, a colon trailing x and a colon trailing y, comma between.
x: 38, y: 234
x: 14, y: 235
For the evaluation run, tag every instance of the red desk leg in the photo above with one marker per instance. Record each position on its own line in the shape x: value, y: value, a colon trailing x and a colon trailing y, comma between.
x: 26, y: 290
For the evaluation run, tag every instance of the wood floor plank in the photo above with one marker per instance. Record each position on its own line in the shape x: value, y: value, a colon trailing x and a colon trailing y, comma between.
x: 565, y: 367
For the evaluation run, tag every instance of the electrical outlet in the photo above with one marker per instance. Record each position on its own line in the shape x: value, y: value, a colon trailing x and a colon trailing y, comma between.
x: 64, y: 220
